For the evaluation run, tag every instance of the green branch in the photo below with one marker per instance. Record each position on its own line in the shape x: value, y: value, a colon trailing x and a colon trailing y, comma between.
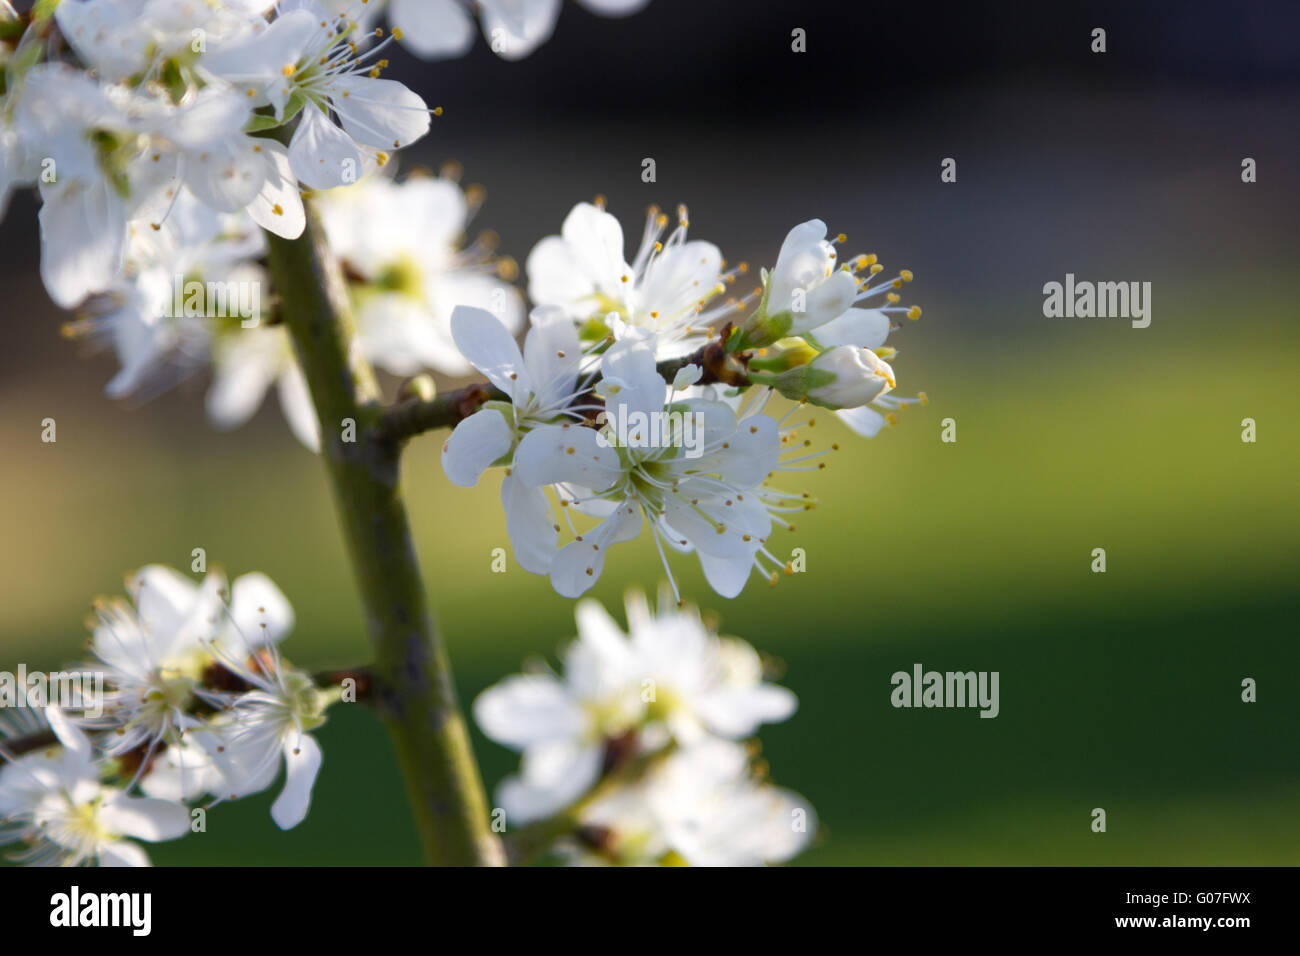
x: 413, y: 689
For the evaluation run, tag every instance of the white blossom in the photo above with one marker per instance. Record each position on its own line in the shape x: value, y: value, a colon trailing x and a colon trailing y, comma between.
x: 401, y: 244
x: 670, y: 288
x: 52, y: 800
x: 669, y: 679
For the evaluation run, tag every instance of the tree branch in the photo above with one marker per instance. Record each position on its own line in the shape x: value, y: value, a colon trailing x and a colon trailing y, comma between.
x: 413, y: 690
x: 17, y: 746
x: 414, y: 416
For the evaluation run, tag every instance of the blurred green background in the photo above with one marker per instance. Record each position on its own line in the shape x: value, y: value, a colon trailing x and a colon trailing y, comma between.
x: 1118, y: 690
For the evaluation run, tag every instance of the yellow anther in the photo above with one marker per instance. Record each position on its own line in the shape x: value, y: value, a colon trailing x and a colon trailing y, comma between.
x: 905, y: 275
x: 914, y: 312
x: 876, y: 268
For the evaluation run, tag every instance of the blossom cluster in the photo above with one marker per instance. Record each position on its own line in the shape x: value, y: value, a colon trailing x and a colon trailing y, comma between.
x: 634, y: 755
x: 612, y: 344
x: 198, y: 707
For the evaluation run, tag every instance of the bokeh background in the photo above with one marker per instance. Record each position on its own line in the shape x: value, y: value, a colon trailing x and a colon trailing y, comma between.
x: 1119, y: 690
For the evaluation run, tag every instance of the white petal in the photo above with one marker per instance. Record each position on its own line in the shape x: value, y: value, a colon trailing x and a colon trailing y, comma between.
x: 302, y: 760
x: 578, y: 565
x: 484, y: 341
x: 552, y: 355
x: 322, y: 155
x: 474, y: 445
x: 381, y: 113
x: 556, y: 276
x: 631, y: 382
x: 526, y: 709
x: 227, y: 176
x: 121, y: 852
x: 164, y: 598
x: 553, y: 775
x: 614, y: 8
x: 215, y: 115
x: 865, y: 328
x: 515, y: 28
x: 83, y: 237
x: 145, y: 818
x: 245, y: 364
x: 396, y: 332
x: 278, y: 207
x: 433, y: 29
x: 596, y: 241
x: 737, y: 712
x: 826, y: 300
x: 259, y: 613
x: 529, y: 524
x: 69, y: 734
x: 865, y: 421
x: 727, y: 576
x: 801, y: 246
x: 566, y: 453
x: 299, y: 412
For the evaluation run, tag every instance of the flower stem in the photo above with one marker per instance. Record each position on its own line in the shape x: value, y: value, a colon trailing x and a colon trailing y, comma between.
x: 413, y: 690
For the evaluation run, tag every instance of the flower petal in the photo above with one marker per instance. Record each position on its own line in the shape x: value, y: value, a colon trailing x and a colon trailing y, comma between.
x: 381, y: 113
x: 278, y: 207
x: 484, y: 341
x: 865, y: 421
x: 865, y: 328
x: 433, y: 29
x: 578, y: 565
x: 260, y: 614
x: 475, y: 444
x: 566, y: 453
x: 83, y: 238
x: 145, y: 818
x: 302, y: 760
x: 322, y: 155
x: 527, y: 709
x: 529, y: 524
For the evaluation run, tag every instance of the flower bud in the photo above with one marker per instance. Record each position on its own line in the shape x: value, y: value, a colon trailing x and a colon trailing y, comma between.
x: 843, y: 377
